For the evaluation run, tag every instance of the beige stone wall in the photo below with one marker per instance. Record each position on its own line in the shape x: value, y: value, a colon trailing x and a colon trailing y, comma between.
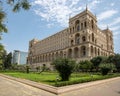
x: 82, y: 40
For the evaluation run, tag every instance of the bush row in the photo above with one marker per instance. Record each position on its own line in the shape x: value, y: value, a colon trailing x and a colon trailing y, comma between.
x: 83, y: 80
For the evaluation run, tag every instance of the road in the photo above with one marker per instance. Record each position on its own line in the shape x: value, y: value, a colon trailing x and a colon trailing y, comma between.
x: 13, y: 88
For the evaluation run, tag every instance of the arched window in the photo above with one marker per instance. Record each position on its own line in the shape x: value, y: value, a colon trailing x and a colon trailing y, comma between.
x: 73, y: 29
x: 83, y: 50
x: 77, y: 39
x: 72, y: 42
x: 91, y: 50
x: 83, y: 39
x: 85, y: 24
x: 61, y: 54
x: 76, y: 52
x: 70, y: 31
x: 92, y: 37
x: 70, y: 53
x: 92, y: 24
x: 77, y: 25
x: 81, y: 26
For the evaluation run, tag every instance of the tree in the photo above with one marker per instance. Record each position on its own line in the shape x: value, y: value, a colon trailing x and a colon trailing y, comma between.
x: 65, y: 67
x: 85, y: 66
x: 7, y: 62
x: 27, y: 69
x: 2, y: 25
x: 106, y: 67
x: 96, y: 62
x: 3, y: 54
x: 116, y: 60
x: 16, y: 5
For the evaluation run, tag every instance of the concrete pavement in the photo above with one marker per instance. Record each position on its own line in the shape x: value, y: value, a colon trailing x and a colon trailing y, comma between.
x: 9, y: 87
x: 110, y: 88
x: 13, y: 88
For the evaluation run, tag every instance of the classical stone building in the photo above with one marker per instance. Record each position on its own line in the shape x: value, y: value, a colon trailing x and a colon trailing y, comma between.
x: 82, y: 40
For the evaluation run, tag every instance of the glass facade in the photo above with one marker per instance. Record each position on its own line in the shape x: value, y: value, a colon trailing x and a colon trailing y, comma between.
x: 19, y: 57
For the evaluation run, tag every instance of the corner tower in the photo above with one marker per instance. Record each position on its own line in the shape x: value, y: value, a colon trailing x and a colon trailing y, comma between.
x: 83, y: 33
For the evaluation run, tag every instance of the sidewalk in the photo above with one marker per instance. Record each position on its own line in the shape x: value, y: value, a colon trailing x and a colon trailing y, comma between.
x: 59, y: 90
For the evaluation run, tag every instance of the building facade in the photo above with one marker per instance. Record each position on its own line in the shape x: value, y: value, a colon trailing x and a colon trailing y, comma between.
x: 82, y: 40
x: 19, y: 57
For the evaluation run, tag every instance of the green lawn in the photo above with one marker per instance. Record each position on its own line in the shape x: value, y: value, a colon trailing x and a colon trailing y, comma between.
x: 50, y: 77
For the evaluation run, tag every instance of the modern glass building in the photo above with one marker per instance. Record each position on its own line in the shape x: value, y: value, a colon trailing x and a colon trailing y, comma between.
x: 19, y: 57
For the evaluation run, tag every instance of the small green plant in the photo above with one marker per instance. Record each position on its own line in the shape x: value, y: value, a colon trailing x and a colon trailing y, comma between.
x: 38, y: 68
x: 27, y: 69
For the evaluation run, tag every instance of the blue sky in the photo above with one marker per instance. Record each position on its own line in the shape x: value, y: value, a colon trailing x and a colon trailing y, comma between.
x: 47, y: 17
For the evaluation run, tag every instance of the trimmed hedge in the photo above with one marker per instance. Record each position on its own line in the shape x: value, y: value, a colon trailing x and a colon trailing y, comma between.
x: 83, y: 80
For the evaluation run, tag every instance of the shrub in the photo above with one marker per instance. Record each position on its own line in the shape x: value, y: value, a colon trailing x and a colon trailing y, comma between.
x: 65, y: 67
x: 85, y: 66
x: 105, y: 70
x: 106, y: 67
x: 27, y: 69
x: 96, y: 62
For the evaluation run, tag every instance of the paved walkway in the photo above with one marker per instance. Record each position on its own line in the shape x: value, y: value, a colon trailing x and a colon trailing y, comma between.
x: 110, y: 88
x: 10, y: 87
x: 13, y: 88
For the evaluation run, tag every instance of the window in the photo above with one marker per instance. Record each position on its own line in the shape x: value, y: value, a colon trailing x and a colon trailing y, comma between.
x: 81, y: 26
x: 83, y: 51
x: 77, y: 38
x: 71, y: 42
x: 78, y: 28
x: 92, y: 23
x: 85, y: 24
x: 92, y: 37
x: 83, y: 39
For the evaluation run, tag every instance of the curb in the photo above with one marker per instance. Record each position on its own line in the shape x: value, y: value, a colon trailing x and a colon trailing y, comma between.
x: 59, y: 90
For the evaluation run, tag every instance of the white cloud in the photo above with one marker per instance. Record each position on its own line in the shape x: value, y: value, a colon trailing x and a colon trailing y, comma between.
x: 106, y: 14
x: 50, y: 25
x: 60, y: 10
x: 115, y: 28
x: 112, y: 4
x: 115, y: 21
x: 93, y: 3
x: 116, y: 33
x: 102, y: 25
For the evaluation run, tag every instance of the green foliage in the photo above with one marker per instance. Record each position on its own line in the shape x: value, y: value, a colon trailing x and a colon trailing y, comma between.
x: 85, y: 79
x: 24, y: 4
x: 50, y: 77
x: 106, y: 67
x: 16, y: 6
x: 2, y: 25
x: 3, y: 54
x: 116, y: 60
x: 27, y: 69
x: 65, y: 67
x: 96, y: 62
x: 38, y: 68
x: 16, y: 67
x: 105, y: 70
x: 85, y: 66
x: 7, y: 61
